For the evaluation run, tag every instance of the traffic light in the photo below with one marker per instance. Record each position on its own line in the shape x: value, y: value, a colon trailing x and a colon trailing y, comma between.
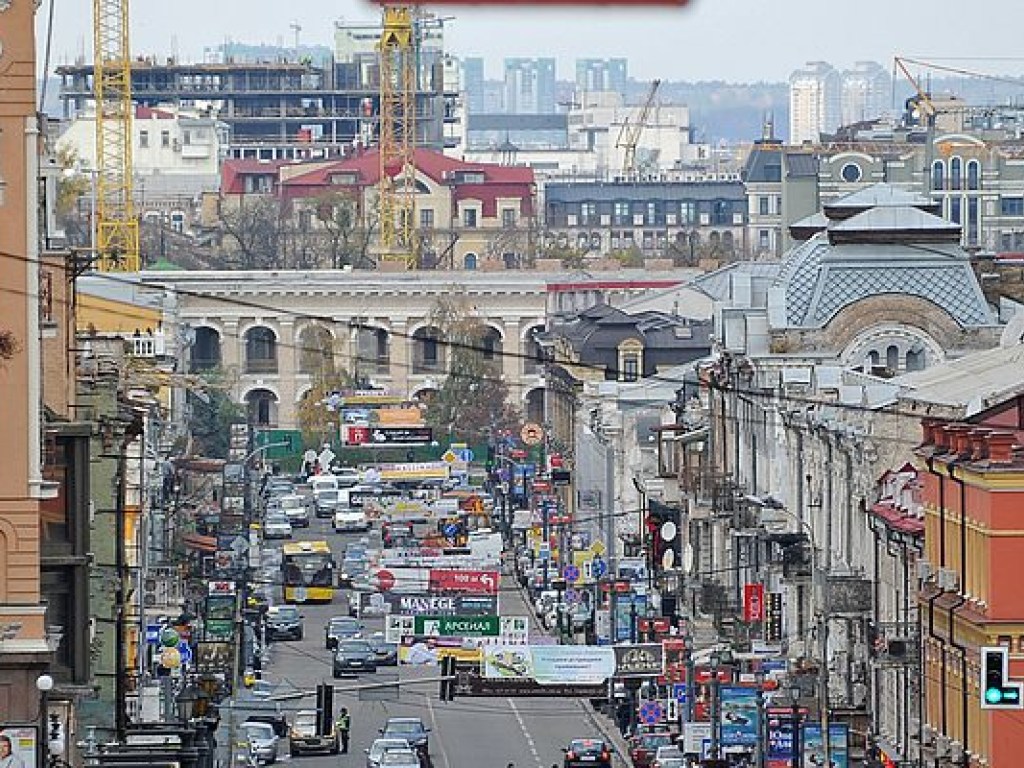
x: 324, y: 708
x: 997, y: 692
x: 447, y: 678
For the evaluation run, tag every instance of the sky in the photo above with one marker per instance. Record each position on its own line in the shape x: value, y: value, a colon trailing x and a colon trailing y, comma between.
x: 732, y: 40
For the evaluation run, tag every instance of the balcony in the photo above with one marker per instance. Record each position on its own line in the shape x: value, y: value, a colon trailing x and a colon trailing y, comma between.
x: 261, y: 365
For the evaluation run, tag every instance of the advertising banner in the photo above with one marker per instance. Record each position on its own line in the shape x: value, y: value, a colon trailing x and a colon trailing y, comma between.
x: 214, y: 658
x: 482, y: 686
x: 419, y: 651
x: 18, y: 745
x: 426, y: 470
x: 753, y: 602
x: 839, y: 743
x: 441, y: 605
x: 550, y: 664
x: 626, y: 614
x: 646, y: 660
x: 773, y: 617
x: 452, y: 581
x: 740, y: 723
x: 457, y: 626
x: 779, y: 750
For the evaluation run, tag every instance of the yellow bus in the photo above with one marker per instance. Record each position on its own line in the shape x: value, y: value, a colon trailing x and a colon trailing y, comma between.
x: 307, y: 572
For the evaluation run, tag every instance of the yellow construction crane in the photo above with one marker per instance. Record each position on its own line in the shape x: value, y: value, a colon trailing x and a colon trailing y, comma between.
x: 115, y: 226
x: 921, y: 100
x: 397, y: 190
x: 629, y: 135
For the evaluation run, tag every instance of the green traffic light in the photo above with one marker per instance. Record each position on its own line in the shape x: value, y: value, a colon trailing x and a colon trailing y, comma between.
x: 993, y: 695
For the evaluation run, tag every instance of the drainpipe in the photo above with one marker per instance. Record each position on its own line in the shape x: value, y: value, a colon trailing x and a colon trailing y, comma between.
x: 961, y: 599
x: 930, y: 463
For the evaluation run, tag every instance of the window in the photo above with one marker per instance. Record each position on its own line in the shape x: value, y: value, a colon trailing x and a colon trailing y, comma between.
x: 143, y: 139
x: 508, y: 217
x: 954, y: 173
x: 938, y: 175
x: 652, y: 213
x: 469, y: 218
x: 851, y: 173
x: 186, y: 138
x: 621, y: 212
x: 687, y: 212
x: 763, y: 239
x: 1011, y: 206
x: 973, y: 174
x: 954, y: 210
x: 426, y: 218
x: 892, y: 358
x: 972, y: 221
x: 630, y: 367
x: 588, y: 213
x: 763, y: 205
x: 469, y: 261
x: 165, y: 139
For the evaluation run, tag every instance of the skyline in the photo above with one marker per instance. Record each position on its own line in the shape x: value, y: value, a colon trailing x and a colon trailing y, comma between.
x: 651, y: 38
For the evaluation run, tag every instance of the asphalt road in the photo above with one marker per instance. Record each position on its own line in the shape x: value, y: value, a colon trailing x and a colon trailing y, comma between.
x: 466, y: 733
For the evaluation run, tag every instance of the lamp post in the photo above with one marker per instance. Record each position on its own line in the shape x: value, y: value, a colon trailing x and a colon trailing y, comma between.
x: 714, y: 663
x: 795, y: 746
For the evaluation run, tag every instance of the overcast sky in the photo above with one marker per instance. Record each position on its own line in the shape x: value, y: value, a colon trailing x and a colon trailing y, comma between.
x: 735, y: 40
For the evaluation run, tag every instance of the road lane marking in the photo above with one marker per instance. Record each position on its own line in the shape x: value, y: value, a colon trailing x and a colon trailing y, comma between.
x: 526, y: 734
x: 437, y: 731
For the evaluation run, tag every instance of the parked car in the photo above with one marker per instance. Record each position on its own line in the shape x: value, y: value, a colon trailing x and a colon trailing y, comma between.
x: 303, y: 738
x: 584, y: 753
x: 276, y: 526
x: 350, y: 519
x: 262, y: 739
x: 386, y: 653
x: 341, y: 628
x: 379, y: 747
x: 296, y: 509
x: 354, y: 656
x: 283, y: 622
x: 643, y: 747
x: 411, y: 729
x: 352, y: 569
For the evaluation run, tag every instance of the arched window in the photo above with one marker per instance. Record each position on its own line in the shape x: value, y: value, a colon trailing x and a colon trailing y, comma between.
x: 955, y: 170
x: 262, y: 407
x: 631, y: 360
x: 316, y: 350
x: 973, y: 174
x: 490, y: 345
x: 892, y: 358
x: 469, y: 261
x: 873, y: 360
x: 372, y: 351
x: 428, y: 352
x: 260, y: 350
x: 938, y: 176
x: 533, y: 360
x: 205, y: 353
x: 915, y: 359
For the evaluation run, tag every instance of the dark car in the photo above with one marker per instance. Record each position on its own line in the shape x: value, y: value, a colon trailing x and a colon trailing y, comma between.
x: 341, y: 628
x: 354, y: 656
x: 386, y: 653
x: 584, y: 753
x: 411, y: 729
x: 643, y: 746
x: 284, y: 622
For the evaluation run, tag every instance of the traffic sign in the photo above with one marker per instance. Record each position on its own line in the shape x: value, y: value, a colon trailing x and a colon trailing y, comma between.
x: 571, y: 596
x: 679, y: 692
x: 598, y: 567
x: 532, y: 434
x: 186, y: 652
x: 651, y: 712
x: 385, y: 580
x: 571, y: 573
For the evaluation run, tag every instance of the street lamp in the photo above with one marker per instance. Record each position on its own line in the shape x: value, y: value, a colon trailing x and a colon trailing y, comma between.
x: 795, y: 750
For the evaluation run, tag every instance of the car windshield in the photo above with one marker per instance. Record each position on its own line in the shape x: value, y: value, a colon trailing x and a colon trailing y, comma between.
x: 305, y: 720
x: 344, y: 625
x: 354, y: 646
x: 405, y: 726
x: 276, y: 519
x: 399, y: 757
x: 328, y: 495
x: 258, y: 730
x: 284, y: 613
x: 586, y: 746
x: 293, y: 502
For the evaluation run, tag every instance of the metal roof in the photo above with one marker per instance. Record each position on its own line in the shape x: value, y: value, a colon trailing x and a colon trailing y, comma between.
x: 972, y: 383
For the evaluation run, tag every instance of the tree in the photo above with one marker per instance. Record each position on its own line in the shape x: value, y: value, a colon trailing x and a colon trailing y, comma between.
x: 317, y: 421
x: 629, y: 257
x: 346, y: 234
x: 254, y: 224
x: 473, y: 400
x: 210, y: 419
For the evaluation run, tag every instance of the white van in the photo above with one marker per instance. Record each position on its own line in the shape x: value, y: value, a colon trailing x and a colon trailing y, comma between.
x: 323, y: 483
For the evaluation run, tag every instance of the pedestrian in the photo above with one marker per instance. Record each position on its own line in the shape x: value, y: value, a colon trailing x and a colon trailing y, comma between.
x: 343, y: 724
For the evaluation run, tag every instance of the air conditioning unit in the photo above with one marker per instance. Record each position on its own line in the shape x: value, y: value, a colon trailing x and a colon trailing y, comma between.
x: 947, y: 579
x: 943, y: 745
x: 928, y: 736
x: 925, y: 570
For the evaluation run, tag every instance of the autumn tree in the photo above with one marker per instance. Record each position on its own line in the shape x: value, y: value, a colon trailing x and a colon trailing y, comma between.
x: 211, y: 416
x: 346, y: 233
x: 474, y: 398
x: 317, y: 420
x: 253, y: 224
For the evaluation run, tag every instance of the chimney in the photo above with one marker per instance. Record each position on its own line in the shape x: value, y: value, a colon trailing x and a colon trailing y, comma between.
x: 959, y: 442
x: 978, y: 439
x: 928, y: 429
x: 1000, y: 446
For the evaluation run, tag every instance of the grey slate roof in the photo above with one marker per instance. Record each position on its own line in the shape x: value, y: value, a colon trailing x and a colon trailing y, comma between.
x: 799, y: 164
x: 879, y: 195
x: 896, y: 217
x: 717, y: 284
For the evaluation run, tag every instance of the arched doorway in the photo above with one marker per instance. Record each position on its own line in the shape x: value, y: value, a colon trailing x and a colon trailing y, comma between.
x: 261, y: 405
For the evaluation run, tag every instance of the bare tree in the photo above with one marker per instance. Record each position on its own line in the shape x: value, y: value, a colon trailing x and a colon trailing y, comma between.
x: 346, y: 231
x: 254, y: 224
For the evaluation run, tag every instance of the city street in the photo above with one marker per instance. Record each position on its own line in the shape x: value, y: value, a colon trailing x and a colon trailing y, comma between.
x: 477, y: 732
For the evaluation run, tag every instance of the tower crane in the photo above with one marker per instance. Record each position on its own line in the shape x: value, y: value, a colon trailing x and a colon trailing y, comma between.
x: 397, y: 186
x: 116, y: 226
x: 629, y: 135
x: 921, y: 100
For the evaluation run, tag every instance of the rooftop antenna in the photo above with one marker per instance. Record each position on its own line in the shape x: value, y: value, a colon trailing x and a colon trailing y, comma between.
x: 296, y: 28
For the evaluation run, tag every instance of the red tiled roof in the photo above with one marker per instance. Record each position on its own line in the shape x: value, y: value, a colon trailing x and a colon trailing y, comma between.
x: 897, y: 519
x: 232, y: 172
x: 143, y: 112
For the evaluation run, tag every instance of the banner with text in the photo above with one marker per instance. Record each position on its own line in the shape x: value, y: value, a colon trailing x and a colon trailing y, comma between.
x: 550, y: 664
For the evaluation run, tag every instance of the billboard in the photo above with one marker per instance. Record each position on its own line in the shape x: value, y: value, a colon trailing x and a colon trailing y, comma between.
x: 839, y: 745
x: 473, y: 582
x: 740, y: 723
x: 646, y: 660
x: 420, y: 651
x: 18, y: 745
x: 550, y: 664
x: 438, y: 605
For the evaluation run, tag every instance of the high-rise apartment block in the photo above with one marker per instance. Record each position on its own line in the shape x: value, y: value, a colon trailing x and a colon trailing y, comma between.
x: 815, y: 99
x: 530, y: 86
x: 867, y: 92
x: 601, y: 75
x: 473, y: 84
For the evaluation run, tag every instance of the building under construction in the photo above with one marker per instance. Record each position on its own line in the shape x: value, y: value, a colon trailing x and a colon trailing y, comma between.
x: 295, y: 109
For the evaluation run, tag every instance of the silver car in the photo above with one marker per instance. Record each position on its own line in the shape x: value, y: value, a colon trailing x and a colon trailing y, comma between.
x: 399, y: 758
x: 262, y: 740
x: 380, y: 746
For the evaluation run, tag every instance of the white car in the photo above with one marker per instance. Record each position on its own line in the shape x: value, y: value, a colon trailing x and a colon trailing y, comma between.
x: 350, y: 519
x: 276, y: 526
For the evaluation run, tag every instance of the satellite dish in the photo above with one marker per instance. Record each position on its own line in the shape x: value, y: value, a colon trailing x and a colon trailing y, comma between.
x: 668, y: 531
x: 668, y: 559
